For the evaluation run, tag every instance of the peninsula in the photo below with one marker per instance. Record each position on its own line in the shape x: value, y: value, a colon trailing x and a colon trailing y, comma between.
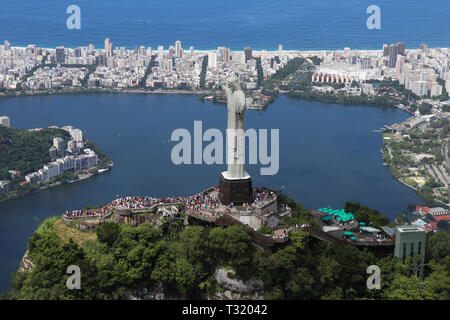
x: 36, y: 159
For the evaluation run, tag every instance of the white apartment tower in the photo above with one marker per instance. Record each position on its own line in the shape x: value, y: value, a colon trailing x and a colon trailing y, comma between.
x: 58, y: 143
x: 5, y: 121
x: 178, y: 49
x: 212, y: 59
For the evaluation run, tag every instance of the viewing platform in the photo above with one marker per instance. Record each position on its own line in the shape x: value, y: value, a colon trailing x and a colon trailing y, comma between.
x: 337, y: 227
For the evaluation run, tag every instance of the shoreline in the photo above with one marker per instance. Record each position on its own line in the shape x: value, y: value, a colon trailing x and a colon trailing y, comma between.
x: 182, y: 92
x: 15, y: 93
x: 58, y: 183
x: 255, y: 50
x: 416, y: 190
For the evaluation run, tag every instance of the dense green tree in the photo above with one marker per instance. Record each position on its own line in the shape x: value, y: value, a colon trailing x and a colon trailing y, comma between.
x: 232, y: 246
x: 183, y: 262
x: 366, y: 214
x: 408, y: 288
x: 425, y: 108
x: 438, y: 246
x: 107, y: 232
x: 47, y: 280
x: 26, y: 151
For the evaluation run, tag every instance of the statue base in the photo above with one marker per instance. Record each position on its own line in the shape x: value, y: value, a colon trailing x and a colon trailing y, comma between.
x: 236, y: 191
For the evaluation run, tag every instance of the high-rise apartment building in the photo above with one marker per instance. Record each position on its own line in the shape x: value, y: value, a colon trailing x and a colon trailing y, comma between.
x: 420, y: 87
x: 393, y: 52
x: 108, y: 47
x: 5, y: 121
x: 60, y: 55
x: 366, y: 63
x: 401, y: 48
x: 223, y: 54
x: 178, y: 49
x: 385, y: 50
x: 248, y: 53
x: 399, y: 65
x: 58, y: 143
x: 102, y: 60
x: 227, y: 55
x: 212, y: 59
x: 160, y: 53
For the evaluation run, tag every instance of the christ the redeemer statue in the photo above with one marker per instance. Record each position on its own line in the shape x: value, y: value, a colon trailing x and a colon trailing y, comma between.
x: 235, y: 183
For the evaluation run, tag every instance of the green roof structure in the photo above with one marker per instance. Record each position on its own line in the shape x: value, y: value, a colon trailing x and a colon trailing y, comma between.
x: 340, y: 214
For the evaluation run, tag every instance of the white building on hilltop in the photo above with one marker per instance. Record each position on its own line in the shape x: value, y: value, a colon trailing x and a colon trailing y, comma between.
x: 75, y: 133
x: 5, y: 121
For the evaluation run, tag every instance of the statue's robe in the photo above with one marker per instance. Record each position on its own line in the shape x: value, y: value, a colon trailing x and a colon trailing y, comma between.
x: 235, y: 134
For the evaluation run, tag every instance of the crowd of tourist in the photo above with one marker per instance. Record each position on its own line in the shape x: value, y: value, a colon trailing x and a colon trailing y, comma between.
x: 125, y: 202
x: 371, y: 237
x: 345, y: 224
x: 199, y: 202
x: 144, y: 202
x: 86, y: 213
x: 262, y: 197
x: 204, y: 202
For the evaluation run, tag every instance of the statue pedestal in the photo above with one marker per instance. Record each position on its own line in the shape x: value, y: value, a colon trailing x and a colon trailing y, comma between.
x: 238, y: 191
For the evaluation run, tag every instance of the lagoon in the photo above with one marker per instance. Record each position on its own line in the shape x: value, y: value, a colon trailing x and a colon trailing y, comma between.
x: 328, y: 155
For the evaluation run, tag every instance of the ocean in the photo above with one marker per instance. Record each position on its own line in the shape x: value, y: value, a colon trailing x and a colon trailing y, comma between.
x: 206, y: 24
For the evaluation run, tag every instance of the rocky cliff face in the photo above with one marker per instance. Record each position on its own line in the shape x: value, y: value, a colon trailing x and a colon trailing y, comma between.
x: 235, y: 289
x: 26, y: 264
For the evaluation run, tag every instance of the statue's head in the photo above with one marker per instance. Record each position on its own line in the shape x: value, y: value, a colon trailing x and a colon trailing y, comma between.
x: 233, y: 82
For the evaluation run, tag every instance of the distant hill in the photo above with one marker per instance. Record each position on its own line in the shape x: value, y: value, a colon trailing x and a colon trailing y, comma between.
x: 26, y: 151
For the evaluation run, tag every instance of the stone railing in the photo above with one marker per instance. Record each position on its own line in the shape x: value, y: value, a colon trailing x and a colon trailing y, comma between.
x: 90, y: 217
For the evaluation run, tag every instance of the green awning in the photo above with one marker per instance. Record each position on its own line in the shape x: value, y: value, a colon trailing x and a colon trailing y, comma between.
x: 362, y: 223
x: 340, y: 214
x: 348, y: 233
x: 326, y: 218
x: 353, y: 238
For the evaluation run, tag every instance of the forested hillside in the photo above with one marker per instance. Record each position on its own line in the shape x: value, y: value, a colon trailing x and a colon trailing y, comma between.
x: 24, y: 150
